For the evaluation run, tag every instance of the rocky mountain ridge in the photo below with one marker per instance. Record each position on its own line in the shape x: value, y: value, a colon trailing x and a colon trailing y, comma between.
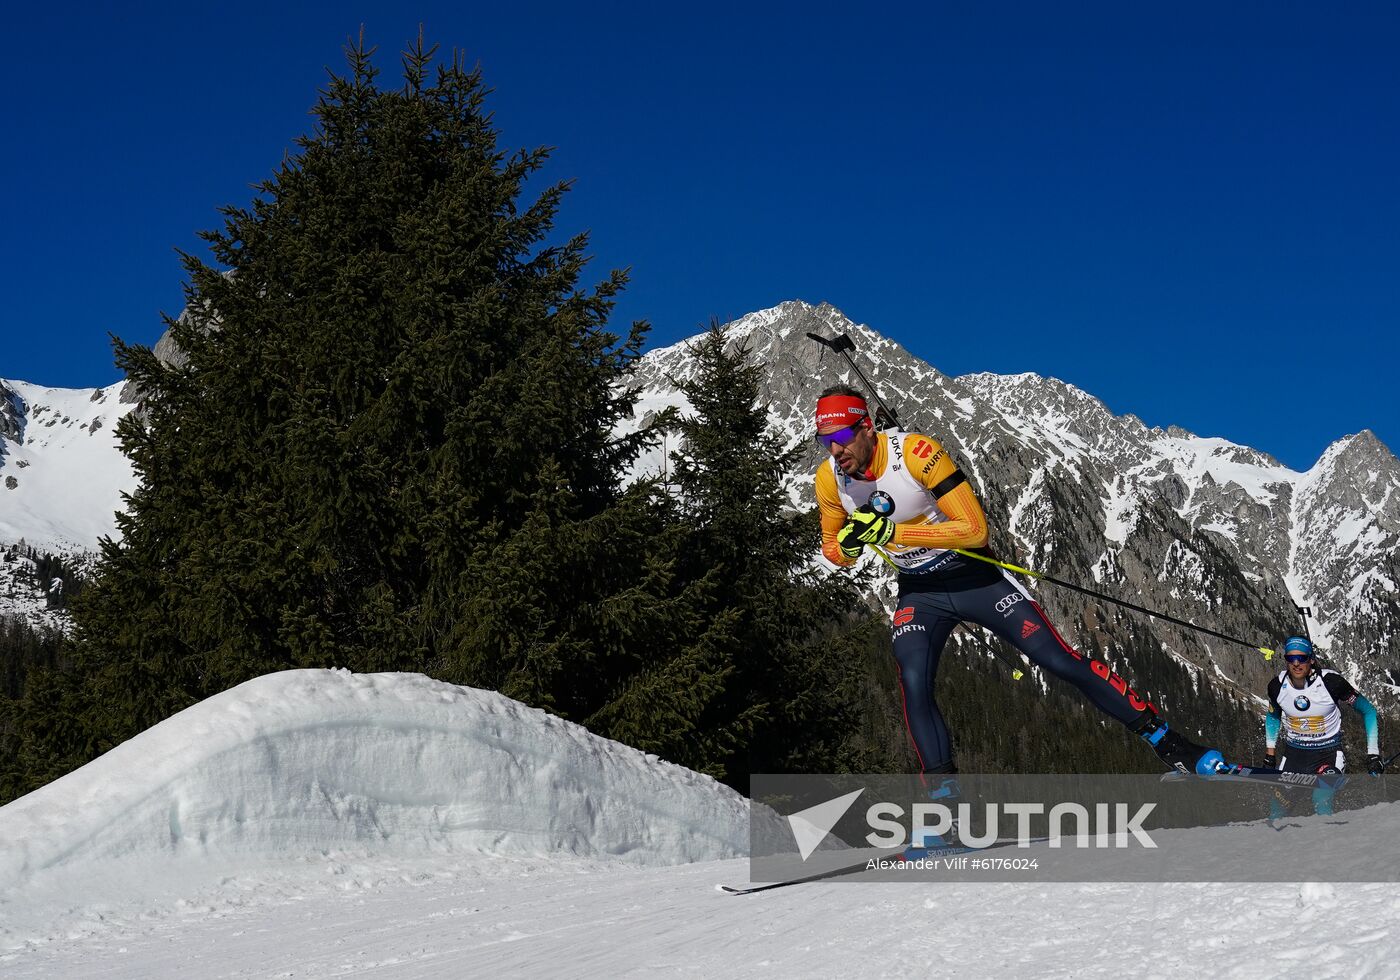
x: 1200, y: 528
x: 1203, y: 529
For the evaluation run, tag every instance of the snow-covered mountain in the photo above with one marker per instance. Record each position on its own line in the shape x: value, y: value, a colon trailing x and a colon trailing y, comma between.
x: 318, y: 823
x: 62, y: 476
x: 1200, y: 528
x: 62, y: 473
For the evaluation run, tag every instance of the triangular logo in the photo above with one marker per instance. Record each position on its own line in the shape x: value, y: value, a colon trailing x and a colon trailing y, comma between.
x: 810, y: 826
x: 1027, y: 628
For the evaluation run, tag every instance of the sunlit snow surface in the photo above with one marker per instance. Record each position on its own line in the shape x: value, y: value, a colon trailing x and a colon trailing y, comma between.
x: 321, y: 824
x: 62, y: 476
x: 68, y: 471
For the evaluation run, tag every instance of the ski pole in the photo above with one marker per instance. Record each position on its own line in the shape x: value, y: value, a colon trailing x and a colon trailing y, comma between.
x: 1305, y: 612
x: 1268, y: 653
x: 842, y: 344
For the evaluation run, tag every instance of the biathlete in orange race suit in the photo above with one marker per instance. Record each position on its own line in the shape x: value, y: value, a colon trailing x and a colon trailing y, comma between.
x: 902, y: 492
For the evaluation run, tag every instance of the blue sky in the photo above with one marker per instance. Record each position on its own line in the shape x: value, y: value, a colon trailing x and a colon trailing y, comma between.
x: 1191, y: 211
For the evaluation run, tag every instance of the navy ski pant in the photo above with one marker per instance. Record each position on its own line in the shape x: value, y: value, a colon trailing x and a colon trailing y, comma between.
x: 924, y: 619
x: 1293, y: 759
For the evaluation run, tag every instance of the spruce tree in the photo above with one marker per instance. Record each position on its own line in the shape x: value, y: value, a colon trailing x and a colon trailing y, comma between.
x: 389, y: 445
x: 774, y: 674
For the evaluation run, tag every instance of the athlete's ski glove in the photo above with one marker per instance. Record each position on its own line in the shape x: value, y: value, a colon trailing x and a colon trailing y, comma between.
x: 1270, y: 762
x: 1374, y: 767
x: 862, y: 528
x: 871, y: 528
x: 848, y: 540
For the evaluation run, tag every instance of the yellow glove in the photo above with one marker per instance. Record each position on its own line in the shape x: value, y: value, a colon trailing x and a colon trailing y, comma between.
x: 864, y: 527
x: 847, y: 540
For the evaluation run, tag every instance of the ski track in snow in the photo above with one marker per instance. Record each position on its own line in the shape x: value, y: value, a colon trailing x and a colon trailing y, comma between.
x: 505, y: 917
x: 531, y: 847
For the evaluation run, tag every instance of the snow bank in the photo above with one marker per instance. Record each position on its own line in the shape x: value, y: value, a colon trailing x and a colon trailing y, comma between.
x: 307, y: 762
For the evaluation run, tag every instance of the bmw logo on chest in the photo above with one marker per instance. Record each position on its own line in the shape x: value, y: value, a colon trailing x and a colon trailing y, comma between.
x: 1302, y: 703
x: 882, y: 503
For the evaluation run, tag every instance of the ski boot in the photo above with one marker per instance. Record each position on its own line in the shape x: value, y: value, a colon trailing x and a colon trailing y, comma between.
x: 1179, y: 752
x: 923, y: 843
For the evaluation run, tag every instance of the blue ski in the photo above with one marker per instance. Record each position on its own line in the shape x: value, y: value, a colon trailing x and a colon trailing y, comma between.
x: 1269, y: 777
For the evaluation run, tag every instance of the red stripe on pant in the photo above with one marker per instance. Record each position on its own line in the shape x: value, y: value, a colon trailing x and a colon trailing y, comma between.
x: 904, y: 703
x: 1101, y: 670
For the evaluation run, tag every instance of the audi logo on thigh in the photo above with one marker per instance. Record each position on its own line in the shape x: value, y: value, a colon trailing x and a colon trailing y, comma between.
x: 1009, y: 601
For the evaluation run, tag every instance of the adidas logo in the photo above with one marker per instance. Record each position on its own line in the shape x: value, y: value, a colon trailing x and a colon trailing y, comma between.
x: 1027, y: 628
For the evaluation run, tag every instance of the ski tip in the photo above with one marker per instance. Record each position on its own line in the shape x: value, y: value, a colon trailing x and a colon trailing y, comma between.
x: 1211, y: 763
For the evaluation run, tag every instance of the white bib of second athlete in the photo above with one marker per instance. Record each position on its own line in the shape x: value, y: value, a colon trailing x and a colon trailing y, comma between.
x: 1311, y: 718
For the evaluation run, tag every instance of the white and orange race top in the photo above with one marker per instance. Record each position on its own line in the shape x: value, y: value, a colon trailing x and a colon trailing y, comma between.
x: 914, y: 482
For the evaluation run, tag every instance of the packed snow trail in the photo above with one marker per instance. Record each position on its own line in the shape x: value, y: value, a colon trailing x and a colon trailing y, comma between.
x: 324, y: 824
x: 518, y: 918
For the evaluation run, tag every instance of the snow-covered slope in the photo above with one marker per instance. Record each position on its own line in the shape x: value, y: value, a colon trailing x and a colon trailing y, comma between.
x: 23, y: 595
x: 62, y: 473
x: 324, y: 824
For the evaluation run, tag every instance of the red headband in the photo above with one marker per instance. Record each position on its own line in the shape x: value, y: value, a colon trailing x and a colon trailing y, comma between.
x: 838, y: 411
